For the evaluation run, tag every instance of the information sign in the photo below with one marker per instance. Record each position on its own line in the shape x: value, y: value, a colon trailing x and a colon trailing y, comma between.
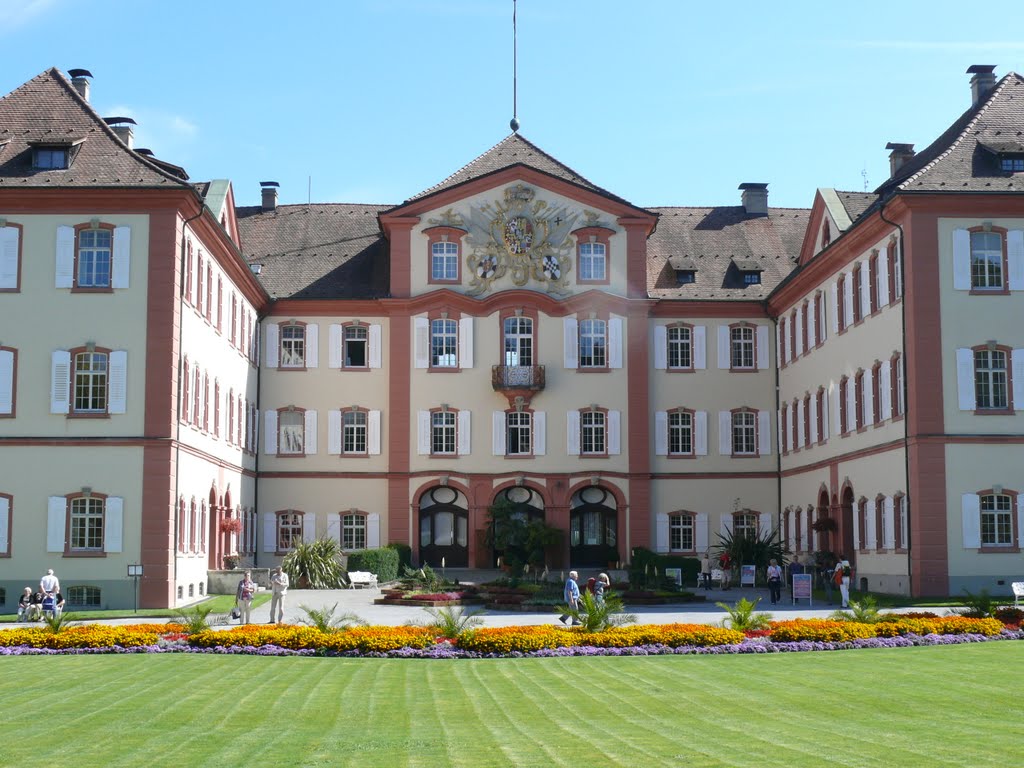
x: 802, y: 587
x: 747, y: 575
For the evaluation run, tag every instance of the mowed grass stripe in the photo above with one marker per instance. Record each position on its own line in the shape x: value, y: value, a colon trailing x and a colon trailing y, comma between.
x: 943, y: 706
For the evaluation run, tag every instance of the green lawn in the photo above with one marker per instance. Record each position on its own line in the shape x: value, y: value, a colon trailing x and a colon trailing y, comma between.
x: 942, y: 706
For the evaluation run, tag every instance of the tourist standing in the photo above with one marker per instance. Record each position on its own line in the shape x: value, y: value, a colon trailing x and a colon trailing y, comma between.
x: 705, y: 571
x: 279, y: 588
x: 49, y: 584
x: 842, y: 574
x: 243, y: 597
x: 571, y: 593
x: 602, y: 583
x: 774, y: 581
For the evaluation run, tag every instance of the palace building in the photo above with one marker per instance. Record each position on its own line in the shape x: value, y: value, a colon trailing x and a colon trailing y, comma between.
x: 183, y: 380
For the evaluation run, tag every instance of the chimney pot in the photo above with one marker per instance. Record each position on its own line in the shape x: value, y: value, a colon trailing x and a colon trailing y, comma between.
x: 983, y: 80
x: 269, y: 190
x: 80, y: 81
x: 899, y: 155
x: 754, y: 198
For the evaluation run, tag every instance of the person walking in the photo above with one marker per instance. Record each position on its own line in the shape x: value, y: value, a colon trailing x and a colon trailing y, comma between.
x: 279, y: 588
x: 843, y: 574
x: 571, y: 593
x: 602, y: 583
x: 243, y: 597
x: 774, y: 581
x: 705, y: 571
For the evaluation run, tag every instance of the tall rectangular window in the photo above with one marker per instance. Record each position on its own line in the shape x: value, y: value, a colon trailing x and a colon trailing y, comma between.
x: 593, y: 262
x: 289, y: 530
x: 87, y: 523
x: 680, y: 433
x: 518, y: 338
x: 744, y: 525
x: 355, y: 346
x: 444, y: 261
x: 986, y: 260
x: 353, y: 531
x: 293, y: 346
x: 996, y: 520
x: 592, y: 432
x: 518, y: 433
x: 90, y: 378
x: 858, y: 315
x: 744, y: 433
x: 680, y: 533
x: 353, y: 429
x: 680, y: 347
x: 442, y: 432
x: 291, y: 432
x: 94, y: 258
x: 444, y: 343
x: 742, y: 347
x: 593, y: 344
x: 990, y: 379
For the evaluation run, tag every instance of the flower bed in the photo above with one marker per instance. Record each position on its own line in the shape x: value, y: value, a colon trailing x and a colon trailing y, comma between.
x: 817, y: 630
x: 87, y: 636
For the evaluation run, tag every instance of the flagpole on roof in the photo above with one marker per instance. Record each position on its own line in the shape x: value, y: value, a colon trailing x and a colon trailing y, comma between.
x: 514, y: 122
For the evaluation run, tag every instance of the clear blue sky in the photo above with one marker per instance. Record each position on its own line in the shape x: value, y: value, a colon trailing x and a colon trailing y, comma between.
x: 663, y: 102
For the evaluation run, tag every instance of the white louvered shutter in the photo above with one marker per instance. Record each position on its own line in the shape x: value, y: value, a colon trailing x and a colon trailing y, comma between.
x: 118, y: 396
x: 870, y: 534
x: 762, y: 347
x: 780, y: 430
x: 570, y: 343
x: 801, y: 417
x: 6, y: 384
x: 65, y: 267
x: 5, y: 538
x: 865, y: 289
x: 1017, y: 369
x: 965, y: 379
x: 725, y: 433
x: 498, y: 433
x: 1015, y: 259
x: 421, y: 342
x: 813, y: 416
x: 113, y: 524
x: 373, y: 531
x: 614, y: 433
x: 423, y: 433
x: 851, y: 405
x: 660, y: 347
x: 466, y: 342
x: 661, y: 433
x: 726, y: 524
x: 799, y: 333
x: 883, y: 279
x: 373, y: 352
x: 9, y: 257
x: 788, y: 426
x: 309, y: 527
x: 812, y: 330
x: 270, y: 433
x: 56, y: 522
x: 961, y: 260
x: 836, y: 406
x: 60, y: 382
x: 701, y: 531
x: 335, y: 343
x: 888, y: 524
x: 373, y: 433
x: 540, y: 435
x: 700, y: 433
x: 465, y: 432
x: 334, y: 527
x: 272, y: 337
x: 615, y: 342
x: 764, y: 433
x: 869, y: 397
x: 572, y: 433
x: 334, y: 432
x: 269, y: 532
x: 885, y: 391
x: 700, y: 347
x: 787, y: 341
x: 312, y: 345
x: 309, y: 433
x: 848, y: 301
x: 835, y: 308
x: 122, y: 257
x: 857, y: 533
x: 779, y: 332
x: 661, y: 532
x: 724, y: 361
x: 971, y: 512
x: 764, y: 524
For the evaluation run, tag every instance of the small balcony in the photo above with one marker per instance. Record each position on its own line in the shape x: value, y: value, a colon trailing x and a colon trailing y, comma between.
x: 519, y: 378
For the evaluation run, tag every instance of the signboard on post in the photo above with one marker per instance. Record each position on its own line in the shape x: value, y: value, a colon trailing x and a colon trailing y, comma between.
x: 675, y: 574
x: 747, y: 575
x: 802, y: 587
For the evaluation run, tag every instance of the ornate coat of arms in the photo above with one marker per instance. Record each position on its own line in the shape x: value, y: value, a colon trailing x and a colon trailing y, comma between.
x: 522, y: 238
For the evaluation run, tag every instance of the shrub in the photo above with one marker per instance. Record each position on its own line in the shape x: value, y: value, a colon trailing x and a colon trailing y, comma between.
x: 865, y: 611
x: 195, y: 618
x: 979, y: 606
x: 314, y: 565
x: 742, y: 617
x: 1010, y: 615
x: 383, y: 562
x: 404, y: 555
x: 647, y: 568
x: 452, y: 623
x: 324, y: 619
x: 594, y: 616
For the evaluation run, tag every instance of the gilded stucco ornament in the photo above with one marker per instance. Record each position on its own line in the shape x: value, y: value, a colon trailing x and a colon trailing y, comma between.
x: 521, y: 237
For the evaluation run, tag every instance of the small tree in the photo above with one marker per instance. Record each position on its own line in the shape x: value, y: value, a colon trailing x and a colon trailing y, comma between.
x: 521, y: 541
x: 595, y: 615
x: 314, y: 565
x: 756, y: 549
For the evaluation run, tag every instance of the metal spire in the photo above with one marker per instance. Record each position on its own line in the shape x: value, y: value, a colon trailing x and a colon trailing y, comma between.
x: 514, y: 122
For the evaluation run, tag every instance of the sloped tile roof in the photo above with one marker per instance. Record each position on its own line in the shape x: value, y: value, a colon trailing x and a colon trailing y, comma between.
x: 957, y: 161
x: 856, y: 203
x: 714, y: 240
x: 322, y: 251
x: 48, y: 108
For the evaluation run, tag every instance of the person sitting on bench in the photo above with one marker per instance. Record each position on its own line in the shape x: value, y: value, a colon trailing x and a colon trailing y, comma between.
x: 25, y: 605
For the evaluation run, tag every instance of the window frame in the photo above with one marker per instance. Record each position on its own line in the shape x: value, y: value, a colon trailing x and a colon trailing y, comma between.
x: 1013, y: 497
x: 679, y: 344
x: 805, y: 337
x: 593, y: 414
x: 844, y: 415
x: 676, y: 521
x: 14, y: 383
x: 744, y: 412
x: 899, y: 512
x: 873, y: 303
x: 593, y: 236
x: 604, y: 345
x: 856, y: 285
x: 733, y: 341
x: 69, y: 549
x: 807, y: 420
x: 783, y: 428
x: 365, y: 426
x: 1004, y: 264
x: 841, y: 301
x: 21, y: 246
x: 355, y: 325
x: 92, y: 597
x: 994, y: 410
x: 291, y: 325
x: 819, y: 409
x: 530, y: 426
x: 93, y: 413
x: 76, y: 287
x: 896, y: 386
x: 744, y: 516
x: 290, y: 411
x: 50, y: 151
x: 518, y: 314
x: 682, y: 429
x: 352, y: 522
x: 858, y: 401
x: 445, y: 235
x: 454, y: 427
x: 443, y: 317
x: 5, y: 553
x: 876, y: 393
x: 294, y: 527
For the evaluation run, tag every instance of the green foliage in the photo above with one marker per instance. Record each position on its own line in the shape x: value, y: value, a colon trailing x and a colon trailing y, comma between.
x: 57, y: 622
x: 596, y: 616
x: 194, y: 618
x: 522, y: 542
x: 324, y: 619
x: 452, y: 621
x: 754, y: 550
x: 314, y: 565
x: 979, y: 606
x: 404, y: 554
x: 864, y: 611
x: 423, y: 579
x: 647, y: 569
x: 742, y: 617
x: 383, y: 562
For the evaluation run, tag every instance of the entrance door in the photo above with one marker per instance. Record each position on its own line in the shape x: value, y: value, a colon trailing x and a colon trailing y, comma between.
x: 593, y: 528
x: 444, y: 528
x: 526, y: 504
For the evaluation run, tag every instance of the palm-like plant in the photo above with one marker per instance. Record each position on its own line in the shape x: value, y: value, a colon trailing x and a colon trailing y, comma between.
x: 863, y: 611
x: 452, y: 622
x: 977, y: 606
x: 315, y: 564
x: 325, y: 620
x: 194, y: 619
x: 57, y: 621
x: 595, y: 615
x: 757, y: 549
x: 742, y: 617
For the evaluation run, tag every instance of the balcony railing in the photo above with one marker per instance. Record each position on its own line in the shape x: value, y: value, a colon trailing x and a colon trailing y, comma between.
x: 505, y: 377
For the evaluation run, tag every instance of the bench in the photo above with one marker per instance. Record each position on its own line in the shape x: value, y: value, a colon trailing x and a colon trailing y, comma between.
x: 358, y: 579
x: 716, y: 575
x: 1018, y: 593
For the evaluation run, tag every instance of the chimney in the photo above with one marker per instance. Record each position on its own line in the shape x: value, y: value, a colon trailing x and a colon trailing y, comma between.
x: 80, y: 81
x: 900, y: 154
x: 269, y: 190
x: 984, y: 80
x: 122, y: 126
x: 754, y: 198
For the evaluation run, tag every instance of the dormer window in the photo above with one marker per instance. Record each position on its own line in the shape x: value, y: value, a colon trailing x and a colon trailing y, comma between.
x: 1012, y: 164
x: 686, y: 276
x: 752, y: 278
x: 685, y: 268
x: 749, y: 271
x: 50, y: 158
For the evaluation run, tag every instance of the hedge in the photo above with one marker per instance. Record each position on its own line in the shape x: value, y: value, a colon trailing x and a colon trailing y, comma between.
x: 645, y: 560
x: 404, y: 555
x: 383, y: 562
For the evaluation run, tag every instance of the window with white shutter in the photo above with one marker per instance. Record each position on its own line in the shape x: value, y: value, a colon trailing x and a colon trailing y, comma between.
x: 6, y: 501
x: 8, y: 377
x: 10, y: 257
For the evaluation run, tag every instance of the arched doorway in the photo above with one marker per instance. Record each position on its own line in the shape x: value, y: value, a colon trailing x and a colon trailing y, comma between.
x: 444, y: 528
x: 524, y: 504
x: 593, y: 527
x: 846, y: 531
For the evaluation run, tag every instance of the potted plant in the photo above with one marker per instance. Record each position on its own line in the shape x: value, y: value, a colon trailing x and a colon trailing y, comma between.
x: 823, y: 524
x: 231, y: 525
x: 231, y: 562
